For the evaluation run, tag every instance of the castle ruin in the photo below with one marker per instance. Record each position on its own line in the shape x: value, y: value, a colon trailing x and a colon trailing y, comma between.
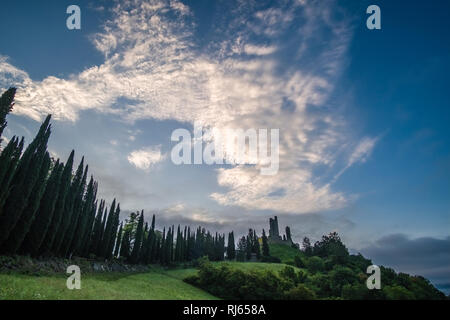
x: 274, y: 233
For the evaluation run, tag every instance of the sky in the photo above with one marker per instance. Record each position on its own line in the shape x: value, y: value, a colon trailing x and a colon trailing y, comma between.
x: 362, y: 114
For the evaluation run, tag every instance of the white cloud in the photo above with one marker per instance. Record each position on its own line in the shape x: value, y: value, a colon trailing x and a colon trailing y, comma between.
x: 151, y: 60
x: 362, y: 150
x: 145, y: 158
x: 259, y: 50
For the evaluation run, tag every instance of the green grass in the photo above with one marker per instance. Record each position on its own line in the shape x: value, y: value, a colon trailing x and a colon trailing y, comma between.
x: 158, y: 284
x: 284, y: 252
x: 155, y: 285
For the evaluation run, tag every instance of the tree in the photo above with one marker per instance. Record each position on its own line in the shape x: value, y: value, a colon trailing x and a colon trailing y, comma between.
x: 315, y: 264
x: 113, y: 232
x: 138, y: 240
x: 67, y: 212
x: 108, y: 231
x: 77, y: 212
x: 256, y: 246
x: 9, y: 158
x: 306, y: 246
x: 24, y: 180
x: 24, y: 223
x: 231, y: 250
x: 300, y: 292
x: 265, y: 245
x: 44, y: 215
x: 87, y: 206
x: 118, y: 241
x: 397, y: 292
x: 6, y: 106
x: 242, y: 249
x: 125, y: 244
x: 288, y: 234
x: 52, y: 232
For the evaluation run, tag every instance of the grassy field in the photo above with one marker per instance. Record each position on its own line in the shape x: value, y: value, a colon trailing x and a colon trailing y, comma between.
x: 158, y: 284
x: 155, y: 285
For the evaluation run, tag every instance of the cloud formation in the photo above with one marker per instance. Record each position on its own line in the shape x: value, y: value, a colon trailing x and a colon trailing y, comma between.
x: 145, y: 158
x: 155, y: 68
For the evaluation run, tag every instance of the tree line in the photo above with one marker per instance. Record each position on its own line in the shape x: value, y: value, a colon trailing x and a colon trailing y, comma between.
x: 47, y: 210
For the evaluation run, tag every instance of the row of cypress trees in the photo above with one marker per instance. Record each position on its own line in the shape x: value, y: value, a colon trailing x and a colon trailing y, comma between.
x: 140, y: 243
x: 46, y: 210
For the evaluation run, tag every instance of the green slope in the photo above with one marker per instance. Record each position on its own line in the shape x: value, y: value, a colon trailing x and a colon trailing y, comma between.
x: 284, y: 252
x: 155, y: 285
x: 159, y: 284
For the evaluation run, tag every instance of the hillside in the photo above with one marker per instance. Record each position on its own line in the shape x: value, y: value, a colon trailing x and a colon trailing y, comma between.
x: 158, y: 284
x: 285, y: 253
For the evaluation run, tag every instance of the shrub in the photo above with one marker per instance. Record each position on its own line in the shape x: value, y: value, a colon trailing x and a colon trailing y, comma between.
x: 315, y: 264
x: 300, y: 292
x: 298, y: 261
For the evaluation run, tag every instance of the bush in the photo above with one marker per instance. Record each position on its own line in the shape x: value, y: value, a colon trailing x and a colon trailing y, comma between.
x: 300, y: 292
x: 298, y: 261
x: 227, y: 282
x: 398, y: 293
x: 315, y: 264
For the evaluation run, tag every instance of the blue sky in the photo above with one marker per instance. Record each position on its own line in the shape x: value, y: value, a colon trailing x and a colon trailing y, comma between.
x: 363, y: 114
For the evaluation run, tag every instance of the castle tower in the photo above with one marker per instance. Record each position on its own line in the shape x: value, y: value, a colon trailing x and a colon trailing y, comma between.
x: 274, y: 233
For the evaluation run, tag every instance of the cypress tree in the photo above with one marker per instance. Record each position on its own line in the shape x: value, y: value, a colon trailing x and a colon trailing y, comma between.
x: 108, y: 230
x: 138, y: 239
x: 9, y: 159
x: 25, y: 221
x: 178, y: 244
x: 84, y: 251
x: 231, y: 249
x: 87, y: 205
x: 163, y: 252
x: 53, y: 228
x: 96, y: 231
x: 113, y: 232
x: 99, y: 248
x: 68, y: 210
x: 44, y: 215
x: 75, y: 216
x: 256, y: 246
x: 24, y: 179
x: 265, y: 244
x: 153, y: 248
x: 118, y: 241
x: 6, y: 105
x: 125, y: 245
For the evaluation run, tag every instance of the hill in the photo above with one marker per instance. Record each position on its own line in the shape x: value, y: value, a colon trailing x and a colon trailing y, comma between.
x: 158, y: 284
x: 284, y: 252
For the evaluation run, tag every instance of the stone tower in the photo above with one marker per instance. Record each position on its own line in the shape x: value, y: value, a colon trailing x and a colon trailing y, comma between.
x: 274, y: 233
